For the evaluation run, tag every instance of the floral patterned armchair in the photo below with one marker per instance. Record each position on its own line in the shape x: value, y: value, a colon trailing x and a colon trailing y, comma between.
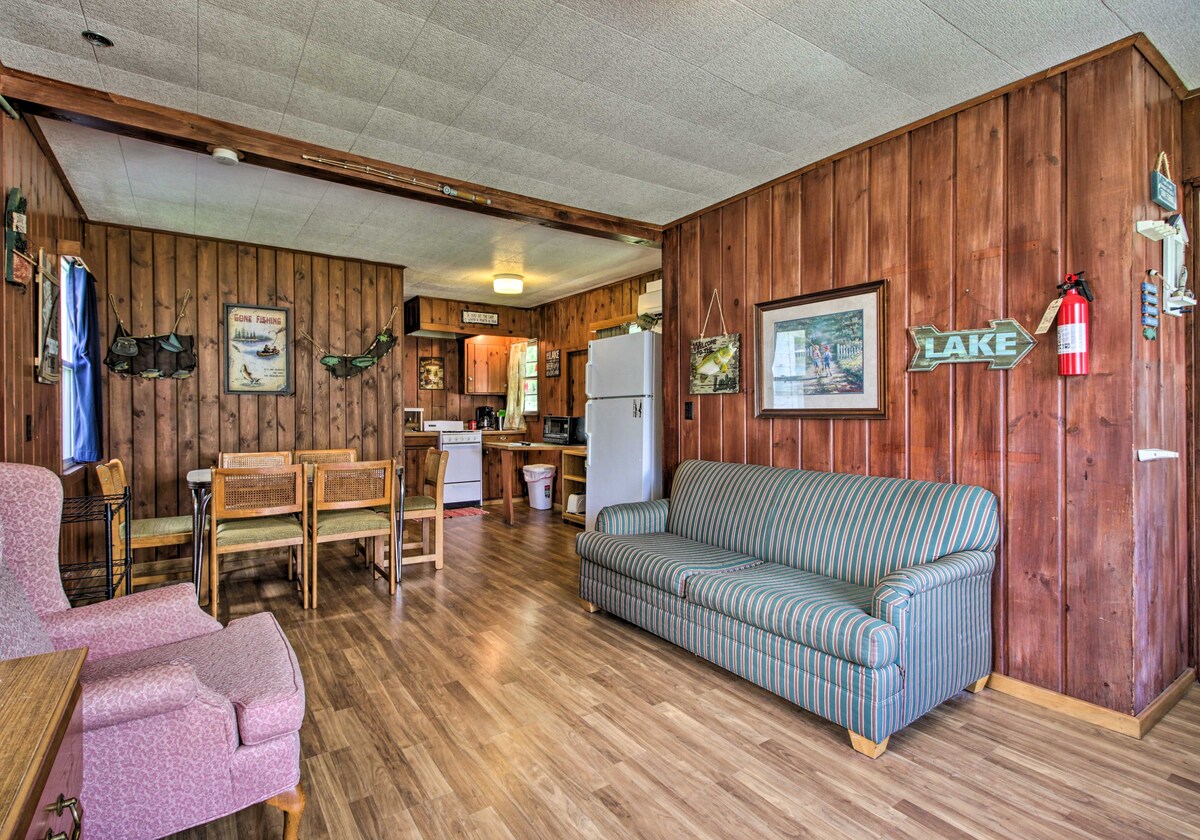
x: 185, y: 721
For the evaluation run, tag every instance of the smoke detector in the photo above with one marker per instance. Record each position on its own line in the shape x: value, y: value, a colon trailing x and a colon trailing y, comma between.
x: 225, y: 156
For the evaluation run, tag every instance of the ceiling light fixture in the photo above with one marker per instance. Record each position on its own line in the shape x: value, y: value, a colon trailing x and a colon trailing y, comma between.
x: 508, y: 284
x: 225, y: 156
x: 96, y: 39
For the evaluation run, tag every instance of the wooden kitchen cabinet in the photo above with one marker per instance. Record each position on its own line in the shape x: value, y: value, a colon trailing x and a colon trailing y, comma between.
x: 41, y: 745
x: 485, y: 365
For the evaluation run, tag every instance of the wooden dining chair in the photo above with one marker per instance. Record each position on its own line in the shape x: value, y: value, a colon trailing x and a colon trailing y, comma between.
x: 325, y: 456
x: 152, y: 532
x: 242, y: 460
x: 254, y: 509
x: 354, y: 501
x: 427, y: 509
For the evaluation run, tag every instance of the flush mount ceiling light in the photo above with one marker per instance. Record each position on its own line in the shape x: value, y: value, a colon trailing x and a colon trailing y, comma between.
x: 508, y: 284
x: 225, y: 156
x: 96, y: 39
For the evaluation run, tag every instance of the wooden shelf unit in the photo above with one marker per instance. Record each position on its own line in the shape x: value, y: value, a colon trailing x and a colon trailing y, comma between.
x: 573, y: 480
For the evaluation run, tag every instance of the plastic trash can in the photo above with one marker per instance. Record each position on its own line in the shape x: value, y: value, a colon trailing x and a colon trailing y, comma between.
x: 539, y: 477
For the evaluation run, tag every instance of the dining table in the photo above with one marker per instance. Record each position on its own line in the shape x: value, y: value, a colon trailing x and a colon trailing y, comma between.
x: 199, y: 483
x: 507, y: 452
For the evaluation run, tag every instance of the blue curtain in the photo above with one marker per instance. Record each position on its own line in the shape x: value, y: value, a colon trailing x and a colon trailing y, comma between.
x: 84, y: 313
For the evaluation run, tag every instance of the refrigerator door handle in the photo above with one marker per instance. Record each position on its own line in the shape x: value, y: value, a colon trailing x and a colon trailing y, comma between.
x: 587, y: 380
x: 587, y: 431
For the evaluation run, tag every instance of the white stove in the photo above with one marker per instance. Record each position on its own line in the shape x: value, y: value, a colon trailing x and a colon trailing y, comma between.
x: 464, y: 469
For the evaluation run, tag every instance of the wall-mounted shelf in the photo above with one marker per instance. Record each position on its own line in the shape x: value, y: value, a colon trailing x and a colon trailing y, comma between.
x: 573, y: 480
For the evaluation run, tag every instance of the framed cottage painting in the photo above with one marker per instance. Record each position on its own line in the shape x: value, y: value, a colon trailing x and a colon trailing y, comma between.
x: 823, y: 354
x: 258, y: 350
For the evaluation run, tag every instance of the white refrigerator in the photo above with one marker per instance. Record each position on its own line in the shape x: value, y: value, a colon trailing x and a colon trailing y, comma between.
x: 623, y: 421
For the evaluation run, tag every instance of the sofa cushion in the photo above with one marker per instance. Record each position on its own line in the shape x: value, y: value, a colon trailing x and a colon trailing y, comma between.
x: 852, y: 527
x: 820, y: 612
x: 21, y: 631
x: 250, y: 663
x: 664, y: 561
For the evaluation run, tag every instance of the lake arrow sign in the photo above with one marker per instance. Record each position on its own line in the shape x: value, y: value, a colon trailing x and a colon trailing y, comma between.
x: 1001, y: 345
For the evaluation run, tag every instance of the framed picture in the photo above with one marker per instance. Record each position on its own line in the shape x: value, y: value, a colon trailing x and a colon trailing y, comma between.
x: 258, y: 349
x: 431, y: 373
x: 822, y: 355
x: 47, y: 362
x: 553, y: 363
x: 716, y: 365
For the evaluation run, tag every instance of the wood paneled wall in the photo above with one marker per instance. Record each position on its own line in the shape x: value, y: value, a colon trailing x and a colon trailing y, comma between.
x: 973, y: 217
x: 52, y: 216
x: 563, y: 325
x: 448, y: 404
x: 161, y: 429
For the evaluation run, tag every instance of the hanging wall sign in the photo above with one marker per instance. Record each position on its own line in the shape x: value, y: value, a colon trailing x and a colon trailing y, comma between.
x: 486, y: 319
x: 258, y: 349
x: 1001, y: 345
x: 553, y: 363
x: 1162, y: 188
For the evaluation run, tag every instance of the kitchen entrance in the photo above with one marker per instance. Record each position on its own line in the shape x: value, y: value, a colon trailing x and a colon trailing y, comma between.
x: 576, y: 382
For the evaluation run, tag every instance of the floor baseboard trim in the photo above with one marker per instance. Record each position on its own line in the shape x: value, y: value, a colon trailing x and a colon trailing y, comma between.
x: 1135, y: 726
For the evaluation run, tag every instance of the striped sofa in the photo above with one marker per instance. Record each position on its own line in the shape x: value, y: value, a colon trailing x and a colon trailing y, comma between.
x: 865, y: 600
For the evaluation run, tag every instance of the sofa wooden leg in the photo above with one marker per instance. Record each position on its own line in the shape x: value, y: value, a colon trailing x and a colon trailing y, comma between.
x: 978, y: 685
x: 588, y: 606
x: 866, y: 746
x: 291, y: 802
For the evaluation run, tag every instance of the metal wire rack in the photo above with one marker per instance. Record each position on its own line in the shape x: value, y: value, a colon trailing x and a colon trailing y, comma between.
x: 87, y: 580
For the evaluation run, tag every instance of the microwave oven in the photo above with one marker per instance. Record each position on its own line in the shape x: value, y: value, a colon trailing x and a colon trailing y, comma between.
x: 563, y: 430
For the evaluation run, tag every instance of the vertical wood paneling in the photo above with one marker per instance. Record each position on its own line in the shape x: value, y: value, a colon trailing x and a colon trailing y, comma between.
x: 673, y: 389
x: 323, y: 336
x: 816, y: 274
x: 1034, y: 551
x: 188, y: 422
x: 733, y: 294
x: 1099, y: 469
x: 759, y: 435
x: 708, y: 406
x: 971, y: 218
x: 688, y: 288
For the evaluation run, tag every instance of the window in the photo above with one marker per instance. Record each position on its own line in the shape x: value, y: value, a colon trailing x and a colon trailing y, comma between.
x: 67, y: 321
x: 530, y: 379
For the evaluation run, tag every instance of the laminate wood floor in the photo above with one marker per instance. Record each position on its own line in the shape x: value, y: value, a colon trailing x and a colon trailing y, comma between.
x: 483, y: 702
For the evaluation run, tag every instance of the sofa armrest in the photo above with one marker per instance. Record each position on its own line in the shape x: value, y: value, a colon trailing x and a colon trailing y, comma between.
x: 634, y: 518
x: 147, y: 619
x: 897, y: 589
x: 146, y: 692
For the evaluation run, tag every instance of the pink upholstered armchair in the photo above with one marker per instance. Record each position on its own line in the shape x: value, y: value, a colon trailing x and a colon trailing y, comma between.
x: 184, y: 720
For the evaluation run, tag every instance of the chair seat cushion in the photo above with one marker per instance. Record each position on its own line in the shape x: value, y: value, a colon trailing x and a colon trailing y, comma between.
x: 823, y: 613
x: 664, y: 561
x: 333, y: 522
x: 260, y: 529
x: 249, y: 662
x: 414, y: 503
x: 161, y: 526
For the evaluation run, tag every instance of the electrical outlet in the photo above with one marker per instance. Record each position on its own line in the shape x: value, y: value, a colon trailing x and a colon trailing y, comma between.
x: 687, y: 410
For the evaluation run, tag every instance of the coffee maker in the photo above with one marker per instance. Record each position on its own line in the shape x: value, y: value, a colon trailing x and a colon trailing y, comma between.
x: 486, y: 419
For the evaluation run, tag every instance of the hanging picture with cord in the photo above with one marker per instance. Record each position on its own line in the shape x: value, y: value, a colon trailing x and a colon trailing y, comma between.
x: 717, y: 359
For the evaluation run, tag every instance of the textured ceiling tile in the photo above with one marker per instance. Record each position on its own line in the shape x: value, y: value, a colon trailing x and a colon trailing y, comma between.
x: 527, y: 85
x: 452, y: 58
x: 934, y: 62
x: 166, y: 215
x: 695, y: 29
x: 573, y: 44
x: 305, y: 191
x: 319, y: 133
x: 292, y: 15
x: 402, y: 128
x: 503, y: 25
x: 77, y: 69
x: 247, y: 42
x: 1173, y: 26
x: 768, y: 124
x: 630, y: 16
x: 428, y: 98
x: 165, y: 20
x: 227, y: 79
x: 641, y: 72
x: 321, y: 106
x: 1034, y: 42
x: 496, y: 119
x: 137, y: 86
x: 386, y: 150
x: 702, y: 98
x: 238, y: 113
x: 447, y: 166
x: 467, y: 145
x: 343, y: 73
x: 44, y: 26
x: 555, y: 137
x: 366, y: 28
x: 149, y: 57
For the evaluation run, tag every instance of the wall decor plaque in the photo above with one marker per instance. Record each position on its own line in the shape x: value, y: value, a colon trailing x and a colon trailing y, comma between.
x: 1001, y: 345
x: 485, y: 319
x: 553, y: 363
x: 258, y: 349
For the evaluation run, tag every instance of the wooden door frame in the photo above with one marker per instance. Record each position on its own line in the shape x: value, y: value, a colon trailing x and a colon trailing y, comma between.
x: 578, y: 351
x: 1191, y: 209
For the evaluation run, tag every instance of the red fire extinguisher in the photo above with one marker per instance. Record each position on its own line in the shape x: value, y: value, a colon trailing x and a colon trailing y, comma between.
x: 1073, y: 325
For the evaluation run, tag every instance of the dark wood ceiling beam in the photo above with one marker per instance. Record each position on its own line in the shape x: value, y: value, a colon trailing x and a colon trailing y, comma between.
x: 127, y: 117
